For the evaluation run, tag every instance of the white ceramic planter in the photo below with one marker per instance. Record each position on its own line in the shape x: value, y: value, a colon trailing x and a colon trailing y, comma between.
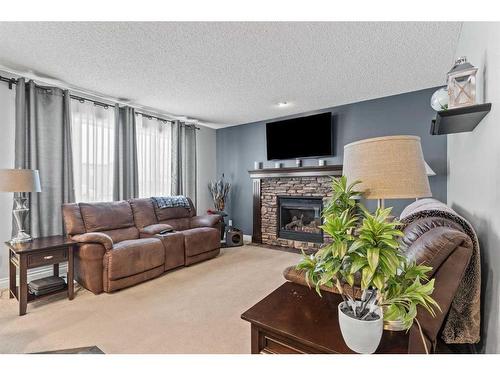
x: 361, y: 336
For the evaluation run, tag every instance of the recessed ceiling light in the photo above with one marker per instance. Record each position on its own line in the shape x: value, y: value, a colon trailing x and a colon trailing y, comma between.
x: 283, y: 104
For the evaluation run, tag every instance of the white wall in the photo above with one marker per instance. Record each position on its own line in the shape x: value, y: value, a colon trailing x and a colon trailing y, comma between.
x: 474, y: 170
x: 7, y: 118
x: 206, y: 168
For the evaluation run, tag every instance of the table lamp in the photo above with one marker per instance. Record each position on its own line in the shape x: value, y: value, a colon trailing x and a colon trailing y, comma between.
x: 390, y: 167
x: 20, y: 181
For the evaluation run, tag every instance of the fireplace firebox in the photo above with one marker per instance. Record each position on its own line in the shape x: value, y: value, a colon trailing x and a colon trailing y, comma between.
x: 299, y: 218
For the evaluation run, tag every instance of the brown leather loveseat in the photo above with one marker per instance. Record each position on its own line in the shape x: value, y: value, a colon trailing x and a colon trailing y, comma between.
x: 119, y: 243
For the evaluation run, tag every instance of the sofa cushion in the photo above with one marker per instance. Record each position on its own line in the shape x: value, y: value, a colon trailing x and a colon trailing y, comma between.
x: 435, y: 246
x: 178, y: 224
x: 122, y: 234
x: 134, y: 256
x: 417, y: 228
x: 205, y: 221
x: 174, y: 249
x: 153, y: 229
x: 103, y: 216
x: 73, y: 222
x: 125, y: 282
x: 200, y: 240
x: 144, y: 212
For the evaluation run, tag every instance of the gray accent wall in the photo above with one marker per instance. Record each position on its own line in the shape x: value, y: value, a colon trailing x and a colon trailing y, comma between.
x: 405, y: 114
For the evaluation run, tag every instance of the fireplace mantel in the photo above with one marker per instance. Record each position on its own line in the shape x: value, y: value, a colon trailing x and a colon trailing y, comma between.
x: 327, y: 170
x: 260, y: 175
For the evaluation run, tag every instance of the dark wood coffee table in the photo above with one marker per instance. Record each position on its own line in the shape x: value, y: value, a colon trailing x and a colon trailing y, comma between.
x: 294, y: 319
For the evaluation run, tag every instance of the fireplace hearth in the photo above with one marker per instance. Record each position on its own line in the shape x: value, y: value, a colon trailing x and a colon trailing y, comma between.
x: 299, y: 218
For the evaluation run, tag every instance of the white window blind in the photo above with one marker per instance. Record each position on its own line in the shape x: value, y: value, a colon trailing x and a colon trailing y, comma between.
x: 93, y: 138
x: 154, y: 148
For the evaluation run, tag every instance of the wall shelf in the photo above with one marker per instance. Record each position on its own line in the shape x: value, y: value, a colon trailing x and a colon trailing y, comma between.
x: 458, y: 120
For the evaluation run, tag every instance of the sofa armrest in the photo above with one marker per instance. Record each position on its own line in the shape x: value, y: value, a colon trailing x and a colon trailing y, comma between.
x: 205, y: 221
x: 448, y: 277
x: 296, y: 276
x: 155, y: 229
x: 94, y: 237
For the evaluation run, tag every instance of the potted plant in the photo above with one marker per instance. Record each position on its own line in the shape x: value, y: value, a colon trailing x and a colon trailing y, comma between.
x: 364, y: 263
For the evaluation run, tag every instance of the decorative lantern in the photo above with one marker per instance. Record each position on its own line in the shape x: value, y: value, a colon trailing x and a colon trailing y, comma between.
x: 462, y: 84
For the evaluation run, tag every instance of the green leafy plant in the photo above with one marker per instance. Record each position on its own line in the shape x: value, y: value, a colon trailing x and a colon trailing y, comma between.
x: 344, y: 197
x: 364, y: 255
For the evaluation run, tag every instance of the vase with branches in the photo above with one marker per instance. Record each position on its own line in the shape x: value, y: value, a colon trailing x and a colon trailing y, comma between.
x: 366, y: 266
x: 219, y: 191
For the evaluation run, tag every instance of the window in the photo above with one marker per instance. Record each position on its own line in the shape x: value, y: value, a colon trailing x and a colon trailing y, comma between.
x: 93, y: 133
x: 154, y: 156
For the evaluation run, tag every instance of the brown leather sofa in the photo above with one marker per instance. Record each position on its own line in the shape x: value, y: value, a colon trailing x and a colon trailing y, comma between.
x: 119, y: 243
x: 436, y: 236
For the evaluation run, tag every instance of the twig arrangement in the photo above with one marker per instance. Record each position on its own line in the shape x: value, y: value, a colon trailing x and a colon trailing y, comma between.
x: 219, y: 190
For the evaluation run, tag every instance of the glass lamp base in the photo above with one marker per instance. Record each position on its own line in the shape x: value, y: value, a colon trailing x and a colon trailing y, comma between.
x: 20, y: 213
x: 21, y: 237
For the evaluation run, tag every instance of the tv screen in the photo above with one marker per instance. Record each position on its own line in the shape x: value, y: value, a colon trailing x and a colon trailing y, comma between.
x: 301, y: 137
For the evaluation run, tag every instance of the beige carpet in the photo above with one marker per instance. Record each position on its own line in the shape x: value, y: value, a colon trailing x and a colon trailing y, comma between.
x: 191, y: 310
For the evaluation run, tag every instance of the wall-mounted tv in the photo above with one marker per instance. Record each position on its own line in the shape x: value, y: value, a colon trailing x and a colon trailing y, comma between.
x: 302, y: 137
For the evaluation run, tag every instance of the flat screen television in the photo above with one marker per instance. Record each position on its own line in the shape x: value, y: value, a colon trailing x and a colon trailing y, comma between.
x: 302, y: 137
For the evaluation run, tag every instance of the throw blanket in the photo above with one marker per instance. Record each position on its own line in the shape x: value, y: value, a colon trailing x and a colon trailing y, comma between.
x: 173, y: 201
x: 462, y: 325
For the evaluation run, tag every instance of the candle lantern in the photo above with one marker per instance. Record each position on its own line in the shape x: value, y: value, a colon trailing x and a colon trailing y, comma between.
x: 462, y: 84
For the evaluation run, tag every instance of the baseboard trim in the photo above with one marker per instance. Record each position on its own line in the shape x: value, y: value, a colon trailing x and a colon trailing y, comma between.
x: 36, y: 273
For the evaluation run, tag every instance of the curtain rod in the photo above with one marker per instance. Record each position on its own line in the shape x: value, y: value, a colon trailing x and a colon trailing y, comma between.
x: 13, y: 81
x: 165, y: 120
x: 81, y: 99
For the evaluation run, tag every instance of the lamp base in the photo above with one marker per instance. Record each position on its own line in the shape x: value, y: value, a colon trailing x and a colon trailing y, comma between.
x: 21, y: 237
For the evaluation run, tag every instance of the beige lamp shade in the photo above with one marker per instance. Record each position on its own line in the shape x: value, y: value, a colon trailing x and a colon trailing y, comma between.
x: 388, y: 167
x: 19, y: 180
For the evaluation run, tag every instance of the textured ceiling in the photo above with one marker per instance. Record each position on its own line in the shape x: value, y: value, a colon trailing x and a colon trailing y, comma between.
x: 234, y: 73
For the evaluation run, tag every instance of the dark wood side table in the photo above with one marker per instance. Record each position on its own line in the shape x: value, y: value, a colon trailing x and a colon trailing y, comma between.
x: 293, y: 319
x: 40, y: 252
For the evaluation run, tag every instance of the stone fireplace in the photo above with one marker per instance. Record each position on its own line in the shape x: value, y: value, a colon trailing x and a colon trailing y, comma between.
x: 288, y: 203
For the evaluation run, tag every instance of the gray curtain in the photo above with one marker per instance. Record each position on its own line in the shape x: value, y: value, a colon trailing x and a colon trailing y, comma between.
x: 43, y: 142
x: 126, y: 175
x: 184, y: 160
